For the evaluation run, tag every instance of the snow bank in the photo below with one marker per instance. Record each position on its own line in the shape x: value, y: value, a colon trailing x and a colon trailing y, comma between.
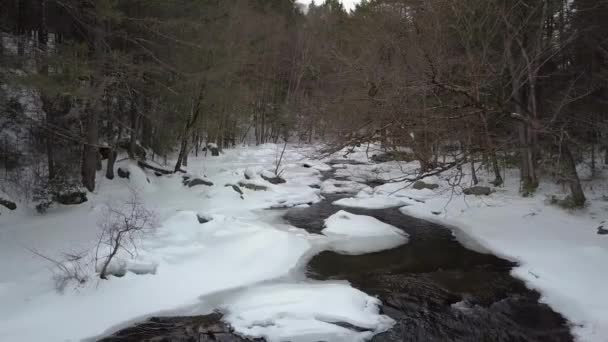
x: 306, y: 312
x: 359, y: 234
x: 374, y: 202
x: 183, y: 261
x: 559, y: 252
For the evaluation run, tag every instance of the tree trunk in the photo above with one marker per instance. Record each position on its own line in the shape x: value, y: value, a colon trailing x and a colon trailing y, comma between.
x: 180, y: 157
x: 89, y: 154
x: 576, y: 190
x: 473, y: 171
x: 133, y: 135
x: 110, y: 165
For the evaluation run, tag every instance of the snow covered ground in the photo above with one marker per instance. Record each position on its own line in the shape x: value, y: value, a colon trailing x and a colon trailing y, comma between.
x: 559, y: 252
x: 247, y: 262
x: 183, y: 263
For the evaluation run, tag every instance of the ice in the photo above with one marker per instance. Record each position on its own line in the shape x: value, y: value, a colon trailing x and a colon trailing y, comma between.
x: 359, y: 234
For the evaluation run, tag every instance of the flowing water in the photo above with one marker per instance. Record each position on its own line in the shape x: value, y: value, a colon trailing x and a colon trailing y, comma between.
x: 433, y: 287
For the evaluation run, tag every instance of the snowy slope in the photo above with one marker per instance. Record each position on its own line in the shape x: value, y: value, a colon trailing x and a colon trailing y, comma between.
x: 182, y: 261
x: 559, y: 252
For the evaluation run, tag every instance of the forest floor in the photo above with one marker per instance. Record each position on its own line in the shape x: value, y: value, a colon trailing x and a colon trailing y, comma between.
x: 245, y: 245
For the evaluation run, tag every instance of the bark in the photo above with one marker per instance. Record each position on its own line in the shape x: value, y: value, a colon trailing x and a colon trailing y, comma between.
x: 576, y: 190
x: 110, y: 165
x: 90, y: 152
x: 133, y: 128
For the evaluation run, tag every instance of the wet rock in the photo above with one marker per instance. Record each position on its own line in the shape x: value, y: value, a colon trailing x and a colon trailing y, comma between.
x: 392, y: 156
x: 419, y: 185
x: 123, y: 173
x: 253, y: 186
x: 8, y: 204
x: 197, y: 328
x: 203, y: 218
x: 197, y: 181
x: 602, y: 231
x: 273, y: 180
x: 215, y: 152
x: 478, y: 191
x: 235, y: 188
x: 73, y: 197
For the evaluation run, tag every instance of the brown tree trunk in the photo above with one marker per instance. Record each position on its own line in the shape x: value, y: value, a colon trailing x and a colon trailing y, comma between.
x: 110, y: 165
x: 89, y: 154
x: 576, y: 190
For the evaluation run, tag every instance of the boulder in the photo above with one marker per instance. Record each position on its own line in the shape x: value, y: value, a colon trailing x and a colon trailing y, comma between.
x: 197, y: 181
x: 602, y: 231
x: 236, y: 188
x: 8, y: 204
x: 419, y: 185
x: 478, y: 191
x: 214, y: 149
x: 203, y: 218
x: 73, y: 197
x: 123, y: 173
x: 392, y: 156
x: 273, y: 180
x: 253, y: 186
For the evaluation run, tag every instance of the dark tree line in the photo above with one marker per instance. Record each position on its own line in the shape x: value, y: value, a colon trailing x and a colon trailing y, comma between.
x: 518, y: 83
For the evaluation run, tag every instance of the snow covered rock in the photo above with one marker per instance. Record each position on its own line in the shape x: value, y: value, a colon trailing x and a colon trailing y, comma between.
x: 198, y: 181
x: 359, y: 234
x: 477, y: 191
x: 272, y: 178
x: 251, y: 185
x: 419, y: 185
x: 375, y: 202
x: 306, y: 312
x: 8, y: 204
x: 122, y: 173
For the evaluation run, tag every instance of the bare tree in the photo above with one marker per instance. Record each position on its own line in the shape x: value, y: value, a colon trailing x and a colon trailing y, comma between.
x: 122, y: 228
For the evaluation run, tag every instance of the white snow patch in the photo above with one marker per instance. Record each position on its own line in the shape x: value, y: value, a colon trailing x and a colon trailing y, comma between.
x: 306, y: 312
x: 375, y: 202
x: 359, y: 234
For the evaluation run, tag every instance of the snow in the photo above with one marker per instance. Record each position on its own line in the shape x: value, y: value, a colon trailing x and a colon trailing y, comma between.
x: 374, y: 202
x: 179, y: 266
x: 306, y: 312
x: 248, y: 252
x: 360, y: 234
x: 558, y: 252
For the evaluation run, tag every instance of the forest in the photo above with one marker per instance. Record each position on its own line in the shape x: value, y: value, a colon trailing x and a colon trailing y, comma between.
x: 481, y: 118
x: 516, y: 83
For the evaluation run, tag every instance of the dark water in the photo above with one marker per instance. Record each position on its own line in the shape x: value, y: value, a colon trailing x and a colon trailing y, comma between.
x: 433, y: 287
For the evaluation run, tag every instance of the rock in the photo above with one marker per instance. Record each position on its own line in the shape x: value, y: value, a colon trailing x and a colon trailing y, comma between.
x: 8, y: 204
x: 249, y: 174
x: 71, y: 197
x: 122, y: 173
x: 197, y: 181
x: 252, y: 186
x: 602, y: 231
x: 157, y: 174
x: 273, y: 180
x: 208, y: 328
x: 392, y: 156
x: 203, y: 218
x: 419, y: 185
x: 306, y: 165
x: 214, y: 149
x: 478, y: 191
x: 236, y: 188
